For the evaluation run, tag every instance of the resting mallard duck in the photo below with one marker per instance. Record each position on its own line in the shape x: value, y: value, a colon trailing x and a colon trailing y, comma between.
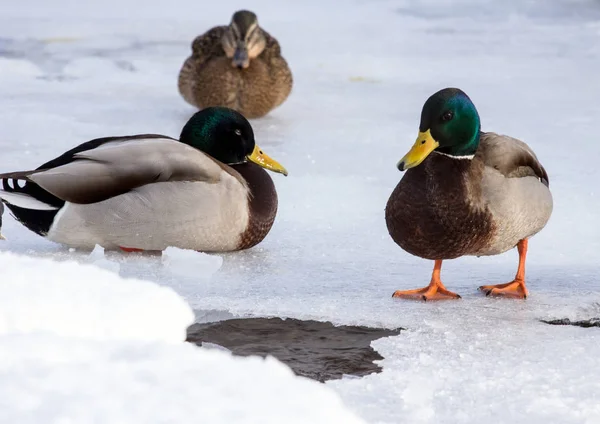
x: 466, y: 192
x: 149, y: 192
x: 238, y: 66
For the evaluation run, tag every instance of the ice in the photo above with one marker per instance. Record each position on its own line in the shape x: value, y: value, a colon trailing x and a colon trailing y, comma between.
x: 81, y: 344
x: 492, y: 370
x: 98, y: 258
x: 70, y: 72
x: 184, y: 262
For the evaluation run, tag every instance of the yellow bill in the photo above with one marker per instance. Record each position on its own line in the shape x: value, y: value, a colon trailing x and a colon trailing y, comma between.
x: 2, y: 237
x: 424, y: 145
x: 258, y: 157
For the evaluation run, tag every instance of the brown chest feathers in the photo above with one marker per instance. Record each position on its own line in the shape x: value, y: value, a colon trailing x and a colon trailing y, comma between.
x: 262, y: 204
x: 436, y: 211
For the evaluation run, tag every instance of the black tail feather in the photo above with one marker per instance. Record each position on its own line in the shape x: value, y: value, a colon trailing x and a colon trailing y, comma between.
x: 13, y: 183
x: 38, y: 221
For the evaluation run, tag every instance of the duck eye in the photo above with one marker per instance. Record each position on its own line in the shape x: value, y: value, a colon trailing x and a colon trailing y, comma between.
x: 447, y: 116
x: 238, y: 132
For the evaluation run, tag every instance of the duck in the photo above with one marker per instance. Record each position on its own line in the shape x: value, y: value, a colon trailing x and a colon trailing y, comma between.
x: 466, y: 193
x: 207, y: 191
x: 237, y: 66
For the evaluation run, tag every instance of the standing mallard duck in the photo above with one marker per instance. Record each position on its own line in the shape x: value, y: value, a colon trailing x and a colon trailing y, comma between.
x: 149, y: 192
x: 238, y: 66
x: 466, y: 192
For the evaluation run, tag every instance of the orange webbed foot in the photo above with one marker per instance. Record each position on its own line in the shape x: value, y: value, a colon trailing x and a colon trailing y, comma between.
x: 434, y: 291
x: 427, y: 293
x: 515, y: 289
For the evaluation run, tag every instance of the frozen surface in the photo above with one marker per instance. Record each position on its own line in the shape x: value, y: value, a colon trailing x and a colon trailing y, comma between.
x: 187, y: 262
x: 83, y: 345
x: 71, y: 71
x: 498, y: 368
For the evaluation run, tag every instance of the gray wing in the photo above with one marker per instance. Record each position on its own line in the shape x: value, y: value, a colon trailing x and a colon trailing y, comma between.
x: 512, y: 157
x: 117, y: 167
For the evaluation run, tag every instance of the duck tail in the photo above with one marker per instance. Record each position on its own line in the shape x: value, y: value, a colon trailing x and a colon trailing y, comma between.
x: 17, y: 191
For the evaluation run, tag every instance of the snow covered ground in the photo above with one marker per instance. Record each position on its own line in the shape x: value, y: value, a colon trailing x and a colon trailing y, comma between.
x: 72, y: 71
x: 82, y: 345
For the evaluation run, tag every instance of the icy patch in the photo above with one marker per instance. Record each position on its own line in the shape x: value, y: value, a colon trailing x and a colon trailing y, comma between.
x: 476, y: 369
x: 17, y: 68
x: 560, y: 9
x: 184, y: 263
x: 98, y: 259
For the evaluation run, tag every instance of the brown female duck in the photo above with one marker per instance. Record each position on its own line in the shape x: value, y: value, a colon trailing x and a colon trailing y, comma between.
x: 238, y: 66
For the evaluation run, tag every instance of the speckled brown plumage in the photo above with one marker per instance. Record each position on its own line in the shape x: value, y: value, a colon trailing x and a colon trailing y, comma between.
x: 435, y: 211
x: 208, y: 78
x: 262, y: 204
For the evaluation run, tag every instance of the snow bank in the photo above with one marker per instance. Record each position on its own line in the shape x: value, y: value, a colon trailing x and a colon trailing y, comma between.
x: 52, y: 380
x: 79, y: 344
x: 73, y: 300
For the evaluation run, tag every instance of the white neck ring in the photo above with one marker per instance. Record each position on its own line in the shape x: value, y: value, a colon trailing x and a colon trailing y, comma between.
x: 468, y: 157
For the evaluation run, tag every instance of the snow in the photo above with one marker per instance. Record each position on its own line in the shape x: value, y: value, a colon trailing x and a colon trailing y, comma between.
x: 81, y: 344
x: 155, y: 384
x: 72, y: 300
x: 71, y: 71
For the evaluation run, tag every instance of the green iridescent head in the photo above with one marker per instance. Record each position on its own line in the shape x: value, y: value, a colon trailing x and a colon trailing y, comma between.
x: 449, y: 124
x: 227, y: 136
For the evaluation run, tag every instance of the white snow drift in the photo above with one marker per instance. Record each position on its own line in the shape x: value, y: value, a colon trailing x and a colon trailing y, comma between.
x: 79, y: 344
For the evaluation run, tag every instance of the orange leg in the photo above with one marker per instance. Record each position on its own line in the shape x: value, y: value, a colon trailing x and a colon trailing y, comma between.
x: 516, y: 288
x: 434, y: 291
x: 142, y: 252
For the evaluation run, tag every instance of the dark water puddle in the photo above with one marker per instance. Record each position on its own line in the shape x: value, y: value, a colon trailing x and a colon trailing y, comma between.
x: 593, y: 322
x: 318, y: 350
